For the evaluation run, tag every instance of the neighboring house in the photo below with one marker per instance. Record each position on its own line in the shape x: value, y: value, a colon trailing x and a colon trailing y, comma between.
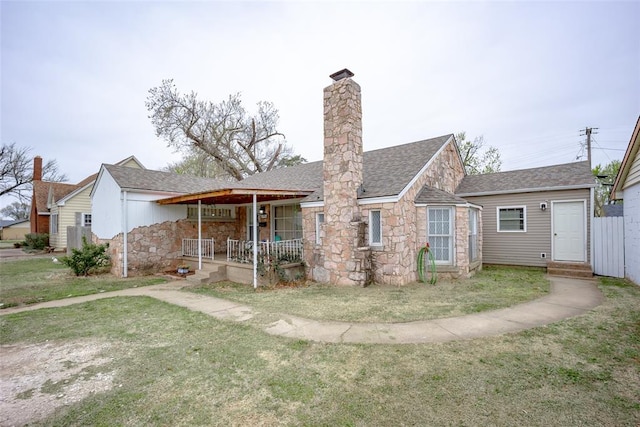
x: 534, y: 216
x: 74, y: 208
x: 56, y: 205
x: 15, y: 230
x: 360, y: 216
x: 43, y: 192
x: 627, y: 188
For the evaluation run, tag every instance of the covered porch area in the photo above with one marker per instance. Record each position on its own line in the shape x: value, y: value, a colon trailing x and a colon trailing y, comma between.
x: 272, y: 249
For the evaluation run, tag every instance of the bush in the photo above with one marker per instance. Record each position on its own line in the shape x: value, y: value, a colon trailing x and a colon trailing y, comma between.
x: 89, y: 258
x: 37, y: 241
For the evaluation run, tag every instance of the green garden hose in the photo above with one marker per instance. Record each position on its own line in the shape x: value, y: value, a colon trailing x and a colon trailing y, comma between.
x: 432, y: 265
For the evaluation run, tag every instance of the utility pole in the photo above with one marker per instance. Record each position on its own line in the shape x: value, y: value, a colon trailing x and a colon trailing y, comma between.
x: 588, y: 131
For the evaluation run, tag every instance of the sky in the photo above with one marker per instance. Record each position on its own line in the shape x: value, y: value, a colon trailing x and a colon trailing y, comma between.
x: 527, y: 76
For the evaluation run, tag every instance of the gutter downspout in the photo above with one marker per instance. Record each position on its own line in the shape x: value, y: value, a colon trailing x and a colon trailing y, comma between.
x: 199, y: 234
x: 255, y: 241
x: 125, y: 236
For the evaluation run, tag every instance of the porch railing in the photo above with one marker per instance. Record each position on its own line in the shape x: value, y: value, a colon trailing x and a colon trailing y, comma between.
x: 190, y: 248
x: 268, y: 252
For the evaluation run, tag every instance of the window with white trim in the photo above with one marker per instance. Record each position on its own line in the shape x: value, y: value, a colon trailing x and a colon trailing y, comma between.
x: 512, y: 219
x: 440, y: 234
x: 473, y: 234
x: 53, y: 224
x: 375, y: 228
x: 319, y: 221
x: 86, y: 220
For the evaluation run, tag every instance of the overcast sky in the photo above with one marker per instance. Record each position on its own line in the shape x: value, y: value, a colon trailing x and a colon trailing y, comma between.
x: 526, y: 75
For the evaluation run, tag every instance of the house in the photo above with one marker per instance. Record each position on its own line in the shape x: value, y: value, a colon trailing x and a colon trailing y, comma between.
x: 43, y: 192
x: 535, y: 217
x: 55, y: 206
x: 354, y: 217
x: 14, y: 230
x: 74, y: 209
x: 626, y: 187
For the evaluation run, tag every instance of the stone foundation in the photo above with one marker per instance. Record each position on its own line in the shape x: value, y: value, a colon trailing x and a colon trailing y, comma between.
x: 158, y: 247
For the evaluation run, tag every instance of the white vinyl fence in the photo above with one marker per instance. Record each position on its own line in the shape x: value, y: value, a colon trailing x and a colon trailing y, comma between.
x: 608, y: 246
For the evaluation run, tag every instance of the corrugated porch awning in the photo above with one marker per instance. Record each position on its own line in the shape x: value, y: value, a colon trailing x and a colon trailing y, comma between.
x: 234, y: 196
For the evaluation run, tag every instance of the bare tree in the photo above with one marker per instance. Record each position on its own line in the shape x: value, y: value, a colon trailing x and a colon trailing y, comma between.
x: 240, y: 144
x: 16, y: 211
x: 605, y: 176
x: 16, y: 171
x: 476, y: 158
x: 198, y: 163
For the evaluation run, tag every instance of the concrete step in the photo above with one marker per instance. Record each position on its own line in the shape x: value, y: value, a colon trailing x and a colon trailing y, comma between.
x: 209, y: 274
x: 569, y: 269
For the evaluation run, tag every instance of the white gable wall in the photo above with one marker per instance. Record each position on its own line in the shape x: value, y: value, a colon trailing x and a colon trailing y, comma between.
x: 142, y: 210
x: 106, y: 208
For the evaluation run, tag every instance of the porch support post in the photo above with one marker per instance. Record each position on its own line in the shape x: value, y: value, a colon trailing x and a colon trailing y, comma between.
x: 199, y: 234
x: 125, y: 236
x: 255, y: 241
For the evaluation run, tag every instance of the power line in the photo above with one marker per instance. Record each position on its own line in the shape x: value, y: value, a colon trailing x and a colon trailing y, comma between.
x: 588, y: 131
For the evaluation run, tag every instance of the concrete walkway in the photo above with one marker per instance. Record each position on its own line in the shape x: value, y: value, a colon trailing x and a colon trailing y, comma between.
x: 567, y: 298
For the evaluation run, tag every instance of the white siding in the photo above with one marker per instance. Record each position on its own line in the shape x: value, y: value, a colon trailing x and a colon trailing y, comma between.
x: 81, y: 202
x: 634, y: 175
x: 632, y: 232
x: 142, y: 209
x: 106, y: 208
x: 523, y: 248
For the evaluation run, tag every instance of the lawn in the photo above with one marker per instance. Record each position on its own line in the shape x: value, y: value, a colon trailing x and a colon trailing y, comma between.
x: 152, y: 363
x: 34, y: 280
x: 493, y: 288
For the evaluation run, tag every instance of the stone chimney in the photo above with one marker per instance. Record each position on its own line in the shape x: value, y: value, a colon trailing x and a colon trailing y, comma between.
x: 37, y: 168
x: 342, y: 173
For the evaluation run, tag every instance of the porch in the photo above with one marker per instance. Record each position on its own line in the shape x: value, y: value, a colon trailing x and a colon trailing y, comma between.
x: 276, y: 261
x: 277, y: 217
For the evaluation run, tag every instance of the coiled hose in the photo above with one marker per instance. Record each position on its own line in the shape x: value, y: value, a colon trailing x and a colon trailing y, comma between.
x: 421, y: 264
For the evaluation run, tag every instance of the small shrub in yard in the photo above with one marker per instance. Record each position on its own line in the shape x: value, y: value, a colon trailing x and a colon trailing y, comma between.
x: 37, y: 241
x: 89, y: 258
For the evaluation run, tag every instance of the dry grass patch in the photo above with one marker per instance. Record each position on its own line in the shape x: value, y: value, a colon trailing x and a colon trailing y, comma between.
x: 182, y: 368
x: 493, y: 288
x: 30, y: 281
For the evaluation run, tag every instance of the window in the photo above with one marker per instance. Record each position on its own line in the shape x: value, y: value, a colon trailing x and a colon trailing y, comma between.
x: 86, y: 220
x: 53, y: 224
x: 287, y: 222
x: 473, y: 234
x: 319, y: 221
x: 212, y: 213
x: 440, y: 234
x: 375, y: 228
x: 512, y: 219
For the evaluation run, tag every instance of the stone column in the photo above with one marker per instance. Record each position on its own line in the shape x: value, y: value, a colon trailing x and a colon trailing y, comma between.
x: 342, y: 173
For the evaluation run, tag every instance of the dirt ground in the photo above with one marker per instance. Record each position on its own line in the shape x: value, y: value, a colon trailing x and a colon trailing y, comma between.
x: 36, y: 379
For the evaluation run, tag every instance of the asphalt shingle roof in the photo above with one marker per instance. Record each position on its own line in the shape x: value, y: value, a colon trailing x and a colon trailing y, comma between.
x: 564, y: 176
x: 151, y: 180
x: 41, y: 193
x: 386, y: 171
x: 434, y: 196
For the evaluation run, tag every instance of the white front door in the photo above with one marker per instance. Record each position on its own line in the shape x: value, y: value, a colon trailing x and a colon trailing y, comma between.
x: 569, y: 231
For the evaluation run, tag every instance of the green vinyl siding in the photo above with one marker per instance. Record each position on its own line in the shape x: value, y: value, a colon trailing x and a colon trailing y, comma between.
x: 523, y: 248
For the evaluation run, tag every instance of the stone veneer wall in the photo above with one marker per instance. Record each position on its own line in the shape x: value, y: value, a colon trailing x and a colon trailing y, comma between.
x: 403, y: 230
x: 158, y: 247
